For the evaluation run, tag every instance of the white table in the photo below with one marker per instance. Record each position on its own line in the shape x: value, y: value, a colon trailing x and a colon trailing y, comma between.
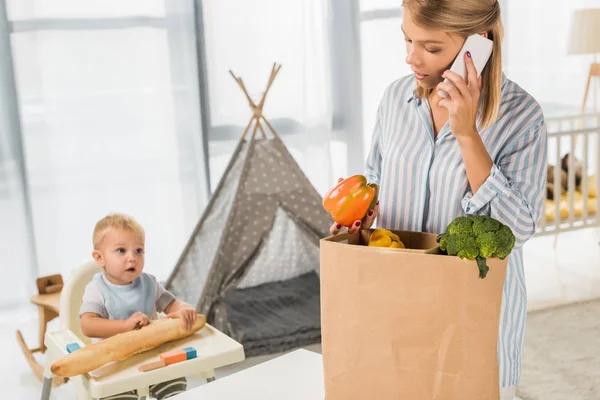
x: 294, y: 376
x: 214, y: 350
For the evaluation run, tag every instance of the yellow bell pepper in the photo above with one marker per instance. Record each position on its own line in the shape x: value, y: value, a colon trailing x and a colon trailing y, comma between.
x: 385, y: 238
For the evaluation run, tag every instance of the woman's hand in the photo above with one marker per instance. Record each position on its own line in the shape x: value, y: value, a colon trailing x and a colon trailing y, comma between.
x: 463, y: 101
x: 366, y: 222
x: 462, y: 106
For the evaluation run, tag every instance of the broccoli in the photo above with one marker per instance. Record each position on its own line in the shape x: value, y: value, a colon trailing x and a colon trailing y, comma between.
x: 483, y: 224
x: 488, y: 243
x: 477, y: 237
x: 463, y: 245
x: 506, y: 242
x: 460, y: 225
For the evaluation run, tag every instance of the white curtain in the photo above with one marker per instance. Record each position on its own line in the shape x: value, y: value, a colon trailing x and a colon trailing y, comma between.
x: 247, y: 37
x: 16, y: 252
x: 108, y: 94
x: 383, y: 61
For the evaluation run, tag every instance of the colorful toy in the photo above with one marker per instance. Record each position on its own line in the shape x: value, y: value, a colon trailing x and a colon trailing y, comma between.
x: 71, y: 347
x: 151, y: 366
x: 174, y: 356
x: 170, y: 357
x: 190, y: 352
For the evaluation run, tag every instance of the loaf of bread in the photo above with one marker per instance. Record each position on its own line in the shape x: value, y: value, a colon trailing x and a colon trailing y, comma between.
x: 123, y: 346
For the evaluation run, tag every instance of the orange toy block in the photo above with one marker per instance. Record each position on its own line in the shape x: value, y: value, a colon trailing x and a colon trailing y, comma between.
x: 174, y: 356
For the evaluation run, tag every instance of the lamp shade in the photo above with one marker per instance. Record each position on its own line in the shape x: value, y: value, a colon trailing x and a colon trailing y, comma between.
x: 584, y: 37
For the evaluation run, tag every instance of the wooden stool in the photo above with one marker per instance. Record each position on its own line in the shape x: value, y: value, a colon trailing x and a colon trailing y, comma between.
x: 48, y: 302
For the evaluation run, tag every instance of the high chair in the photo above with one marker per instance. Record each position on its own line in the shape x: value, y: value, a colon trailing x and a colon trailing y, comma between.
x: 214, y: 350
x: 47, y: 301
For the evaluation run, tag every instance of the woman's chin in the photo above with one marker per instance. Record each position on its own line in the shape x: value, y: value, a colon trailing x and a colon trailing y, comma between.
x: 427, y: 84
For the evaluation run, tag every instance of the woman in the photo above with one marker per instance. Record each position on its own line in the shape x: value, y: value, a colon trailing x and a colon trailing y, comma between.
x: 482, y: 150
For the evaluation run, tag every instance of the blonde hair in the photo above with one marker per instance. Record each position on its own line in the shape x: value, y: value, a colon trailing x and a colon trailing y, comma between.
x: 466, y: 18
x: 116, y: 221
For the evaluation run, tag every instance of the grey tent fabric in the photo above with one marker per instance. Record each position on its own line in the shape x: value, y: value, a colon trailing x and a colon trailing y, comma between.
x: 289, y: 252
x: 261, y: 227
x: 276, y: 316
x: 194, y: 265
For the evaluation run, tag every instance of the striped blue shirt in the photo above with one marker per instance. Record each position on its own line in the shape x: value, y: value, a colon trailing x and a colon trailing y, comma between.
x: 423, y: 185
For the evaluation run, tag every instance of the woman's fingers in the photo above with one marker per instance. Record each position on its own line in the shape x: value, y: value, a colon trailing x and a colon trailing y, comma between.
x: 457, y: 81
x: 473, y: 81
x: 450, y: 89
x: 353, y: 230
x: 370, y: 217
x: 335, y: 229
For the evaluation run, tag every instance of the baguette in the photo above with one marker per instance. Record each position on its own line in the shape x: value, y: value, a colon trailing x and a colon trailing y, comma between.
x: 123, y: 346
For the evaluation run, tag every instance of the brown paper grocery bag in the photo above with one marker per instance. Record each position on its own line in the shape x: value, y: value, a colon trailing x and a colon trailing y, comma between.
x: 408, y: 324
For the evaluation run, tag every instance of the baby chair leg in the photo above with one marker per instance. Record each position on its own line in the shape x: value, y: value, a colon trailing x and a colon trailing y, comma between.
x: 143, y: 392
x: 208, y: 375
x: 46, y: 388
x: 45, y: 316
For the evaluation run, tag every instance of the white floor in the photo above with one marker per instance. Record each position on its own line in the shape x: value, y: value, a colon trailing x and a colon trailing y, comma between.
x: 566, y: 273
x: 562, y: 270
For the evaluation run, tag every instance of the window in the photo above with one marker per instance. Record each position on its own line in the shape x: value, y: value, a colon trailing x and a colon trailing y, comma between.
x: 247, y: 38
x: 108, y: 96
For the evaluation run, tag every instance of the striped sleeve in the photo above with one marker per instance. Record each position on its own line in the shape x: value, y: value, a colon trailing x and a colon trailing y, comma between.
x: 373, y: 166
x: 514, y: 190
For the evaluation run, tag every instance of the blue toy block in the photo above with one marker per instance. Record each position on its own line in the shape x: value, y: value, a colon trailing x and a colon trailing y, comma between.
x: 71, y: 347
x: 190, y: 353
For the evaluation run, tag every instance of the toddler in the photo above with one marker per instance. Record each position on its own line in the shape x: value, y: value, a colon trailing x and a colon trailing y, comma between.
x: 123, y: 297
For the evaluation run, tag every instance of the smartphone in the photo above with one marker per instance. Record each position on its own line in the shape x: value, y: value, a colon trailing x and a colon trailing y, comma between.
x: 481, y: 50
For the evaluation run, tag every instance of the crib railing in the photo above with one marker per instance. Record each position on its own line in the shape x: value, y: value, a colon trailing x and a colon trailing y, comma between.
x: 579, y: 136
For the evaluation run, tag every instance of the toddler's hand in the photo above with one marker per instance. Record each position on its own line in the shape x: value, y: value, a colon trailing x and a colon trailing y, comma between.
x: 187, y: 317
x: 137, y: 320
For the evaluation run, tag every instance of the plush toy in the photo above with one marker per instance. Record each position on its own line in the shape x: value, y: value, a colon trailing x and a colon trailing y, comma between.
x: 123, y: 346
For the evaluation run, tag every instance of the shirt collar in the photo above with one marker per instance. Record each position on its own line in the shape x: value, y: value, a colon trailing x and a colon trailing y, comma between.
x: 412, y: 96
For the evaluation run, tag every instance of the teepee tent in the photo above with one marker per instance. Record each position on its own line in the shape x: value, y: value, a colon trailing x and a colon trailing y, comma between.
x: 251, y: 264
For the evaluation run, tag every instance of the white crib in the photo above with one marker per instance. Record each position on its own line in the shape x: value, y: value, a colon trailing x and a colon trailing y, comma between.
x: 579, y: 206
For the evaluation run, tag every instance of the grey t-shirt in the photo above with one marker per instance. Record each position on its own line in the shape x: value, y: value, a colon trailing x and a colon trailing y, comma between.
x: 112, y: 301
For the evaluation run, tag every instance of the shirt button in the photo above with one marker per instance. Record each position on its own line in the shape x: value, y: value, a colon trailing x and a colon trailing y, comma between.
x: 505, y: 192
